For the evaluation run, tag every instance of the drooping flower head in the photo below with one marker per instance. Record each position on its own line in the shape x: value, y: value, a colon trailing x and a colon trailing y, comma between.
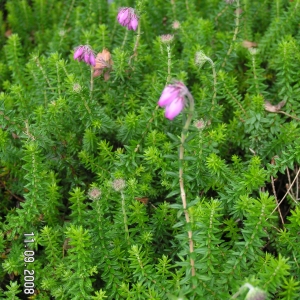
x: 200, y: 58
x: 173, y: 99
x: 128, y: 18
x: 256, y: 294
x: 86, y: 54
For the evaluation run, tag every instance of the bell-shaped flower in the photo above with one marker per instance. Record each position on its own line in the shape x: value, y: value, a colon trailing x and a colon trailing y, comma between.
x: 86, y: 54
x: 173, y: 99
x: 127, y: 18
x: 124, y: 16
x: 169, y: 94
x: 174, y: 108
x: 78, y: 52
x: 133, y: 24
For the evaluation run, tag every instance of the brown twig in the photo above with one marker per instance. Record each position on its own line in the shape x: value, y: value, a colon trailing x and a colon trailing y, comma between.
x: 12, y: 194
x: 286, y: 192
x: 274, y: 193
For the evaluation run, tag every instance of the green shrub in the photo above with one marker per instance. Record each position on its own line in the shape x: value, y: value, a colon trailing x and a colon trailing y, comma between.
x: 102, y: 197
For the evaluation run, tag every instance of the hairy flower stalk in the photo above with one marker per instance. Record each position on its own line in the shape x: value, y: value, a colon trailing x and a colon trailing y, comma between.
x: 168, y: 39
x: 137, y: 40
x: 200, y: 60
x: 119, y: 185
x: 236, y: 30
x: 174, y: 99
x: 181, y: 182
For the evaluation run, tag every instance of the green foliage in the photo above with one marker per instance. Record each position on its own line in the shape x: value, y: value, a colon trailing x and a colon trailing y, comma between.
x: 114, y: 201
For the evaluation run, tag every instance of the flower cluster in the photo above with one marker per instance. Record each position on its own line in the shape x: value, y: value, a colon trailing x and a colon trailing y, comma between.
x: 86, y: 54
x: 127, y: 17
x: 172, y: 98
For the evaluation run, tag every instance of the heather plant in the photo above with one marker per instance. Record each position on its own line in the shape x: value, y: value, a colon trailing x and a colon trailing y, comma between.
x: 150, y: 149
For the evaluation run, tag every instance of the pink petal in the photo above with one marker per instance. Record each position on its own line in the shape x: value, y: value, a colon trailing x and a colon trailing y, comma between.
x: 86, y: 57
x: 133, y: 23
x: 174, y: 108
x: 169, y: 94
x: 92, y: 59
x: 124, y: 16
x: 78, y: 52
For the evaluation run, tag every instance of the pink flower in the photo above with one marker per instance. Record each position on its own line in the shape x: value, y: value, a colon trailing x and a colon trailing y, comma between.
x: 133, y: 23
x: 78, y: 52
x: 86, y: 54
x: 126, y: 17
x: 172, y: 98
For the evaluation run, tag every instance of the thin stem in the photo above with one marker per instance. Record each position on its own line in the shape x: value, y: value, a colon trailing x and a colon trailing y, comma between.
x: 68, y: 14
x: 181, y: 181
x: 293, y: 117
x: 286, y: 192
x: 215, y: 80
x: 173, y: 9
x: 236, y: 30
x: 169, y: 63
x: 125, y: 218
x: 289, y: 177
x: 274, y: 193
x: 92, y: 83
x: 236, y: 101
x: 125, y: 38
x: 15, y: 196
x: 147, y: 127
x: 91, y: 92
x: 297, y: 187
x: 37, y: 61
x: 220, y: 14
x: 187, y: 6
x: 277, y: 9
x: 138, y: 36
